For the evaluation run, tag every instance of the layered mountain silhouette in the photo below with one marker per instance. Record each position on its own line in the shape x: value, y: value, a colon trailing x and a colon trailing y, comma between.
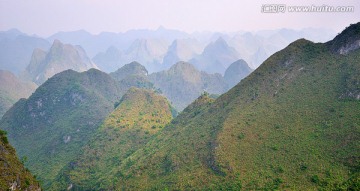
x: 110, y: 60
x: 149, y: 52
x: 16, y: 49
x: 181, y: 50
x: 60, y: 57
x: 12, y: 89
x: 216, y: 57
x: 183, y: 83
x: 156, y: 49
x: 93, y: 44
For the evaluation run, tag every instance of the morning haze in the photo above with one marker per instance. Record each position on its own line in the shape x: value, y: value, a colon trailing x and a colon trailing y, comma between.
x: 43, y: 17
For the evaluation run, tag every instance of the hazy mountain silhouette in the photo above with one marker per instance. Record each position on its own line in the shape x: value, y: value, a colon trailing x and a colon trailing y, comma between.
x: 216, y: 57
x: 16, y: 49
x: 60, y: 57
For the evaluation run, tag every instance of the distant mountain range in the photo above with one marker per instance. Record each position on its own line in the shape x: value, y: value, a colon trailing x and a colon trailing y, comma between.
x: 150, y: 52
x: 181, y: 50
x: 216, y: 57
x: 94, y: 44
x: 158, y: 49
x: 110, y: 60
x: 16, y: 49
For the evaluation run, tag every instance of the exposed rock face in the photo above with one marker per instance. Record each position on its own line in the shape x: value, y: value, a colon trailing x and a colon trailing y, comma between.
x: 347, y: 41
x: 344, y: 50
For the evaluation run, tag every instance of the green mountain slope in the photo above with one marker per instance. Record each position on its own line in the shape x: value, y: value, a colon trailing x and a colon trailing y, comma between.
x: 13, y: 176
x: 12, y: 89
x: 293, y: 124
x: 60, y: 117
x: 139, y: 115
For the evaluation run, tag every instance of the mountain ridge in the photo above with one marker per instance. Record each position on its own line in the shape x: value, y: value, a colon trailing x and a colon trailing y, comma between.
x: 299, y: 123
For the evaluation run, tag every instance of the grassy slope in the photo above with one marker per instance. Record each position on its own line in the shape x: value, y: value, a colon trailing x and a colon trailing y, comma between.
x: 284, y: 126
x: 12, y: 171
x: 179, y: 149
x: 140, y: 115
x: 296, y: 130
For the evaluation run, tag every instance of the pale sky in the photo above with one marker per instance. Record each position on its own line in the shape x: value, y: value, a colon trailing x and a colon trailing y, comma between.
x: 45, y: 17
